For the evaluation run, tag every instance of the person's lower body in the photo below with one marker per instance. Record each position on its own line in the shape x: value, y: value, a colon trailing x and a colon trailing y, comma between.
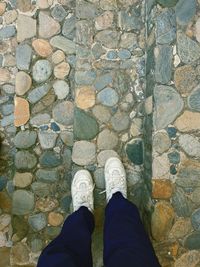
x: 125, y: 240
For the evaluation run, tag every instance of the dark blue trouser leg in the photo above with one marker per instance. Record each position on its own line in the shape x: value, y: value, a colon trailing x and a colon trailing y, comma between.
x: 72, y: 247
x: 126, y: 243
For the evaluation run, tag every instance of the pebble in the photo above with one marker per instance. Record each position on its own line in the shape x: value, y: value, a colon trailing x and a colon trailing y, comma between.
x: 61, y: 89
x: 104, y: 155
x: 162, y: 189
x: 7, y: 32
x: 128, y: 40
x: 108, y: 38
x: 21, y: 112
x: 10, y: 16
x: 63, y: 113
x: 7, y: 120
x: 161, y: 166
x: 193, y: 242
x: 120, y: 121
x: 102, y: 81
x: 2, y: 8
x: 5, y: 202
x: 23, y: 202
x: 40, y: 119
x: 7, y: 109
x: 185, y: 11
x: 189, y: 258
x: 188, y: 121
x: 25, y: 160
x: 188, y: 176
x: 69, y: 27
x: 36, y: 245
x: 48, y: 27
x: 162, y: 220
x: 37, y: 221
x: 195, y: 219
x: 46, y: 204
x: 23, y: 56
x: 26, y: 28
x: 86, y: 10
x: 61, y: 70
x: 64, y: 44
x: 181, y: 203
x: 108, y: 97
x: 124, y: 54
x: 111, y: 54
x: 4, y: 76
x: 134, y: 150
x: 185, y: 79
x: 5, y: 220
x: 42, y: 70
x: 85, y: 97
x: 107, y: 140
x: 23, y: 83
x: 42, y: 47
x: 174, y: 157
x: 47, y: 139
x: 168, y: 105
x: 104, y: 21
x: 58, y: 56
x: 161, y: 142
x: 85, y: 126
x: 22, y: 180
x: 19, y: 254
x: 59, y: 13
x: 52, y: 232
x: 108, y: 4
x: 101, y: 113
x: 41, y: 189
x: 55, y: 218
x: 188, y: 50
x: 50, y: 159
x: 181, y: 228
x: 25, y: 139
x: 47, y: 176
x: 36, y: 94
x: 85, y: 77
x: 190, y: 145
x: 67, y: 138
x: 84, y: 153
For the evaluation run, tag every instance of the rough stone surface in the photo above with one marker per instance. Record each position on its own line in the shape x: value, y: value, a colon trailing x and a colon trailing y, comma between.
x: 22, y: 180
x: 48, y: 27
x: 25, y: 160
x: 185, y: 11
x: 160, y: 166
x: 85, y: 97
x: 42, y: 70
x: 63, y: 113
x: 190, y: 145
x: 120, y: 121
x: 84, y: 153
x: 107, y: 140
x: 50, y: 159
x: 23, y: 83
x: 47, y: 176
x: 181, y: 203
x: 26, y: 28
x: 104, y: 155
x: 25, y: 139
x: 23, y: 56
x: 188, y: 121
x: 64, y: 44
x: 23, y: 202
x: 61, y: 89
x: 39, y: 92
x: 193, y: 241
x: 161, y: 142
x: 190, y: 258
x: 134, y: 150
x: 62, y: 70
x: 181, y: 228
x: 47, y: 139
x: 195, y: 219
x: 37, y: 221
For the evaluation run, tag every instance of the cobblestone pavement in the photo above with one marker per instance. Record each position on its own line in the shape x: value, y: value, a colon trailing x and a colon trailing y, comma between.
x: 85, y: 80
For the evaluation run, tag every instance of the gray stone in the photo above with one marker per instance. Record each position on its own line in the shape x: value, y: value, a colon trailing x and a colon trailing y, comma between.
x: 190, y: 145
x: 192, y: 242
x: 22, y: 202
x: 102, y: 81
x: 42, y: 70
x: 67, y: 138
x: 63, y: 113
x: 195, y: 219
x: 23, y: 56
x: 85, y: 126
x: 104, y: 155
x: 189, y: 177
x: 47, y: 139
x: 40, y: 119
x: 134, y: 150
x: 26, y: 27
x: 84, y: 33
x: 25, y: 139
x: 108, y: 97
x: 108, y: 38
x: 24, y: 160
x: 61, y: 89
x: 64, y: 44
x: 122, y: 82
x: 161, y: 142
x: 7, y: 120
x: 168, y: 105
x: 50, y: 159
x: 188, y: 50
x: 124, y: 54
x: 185, y: 11
x: 47, y: 176
x: 129, y: 20
x: 36, y: 94
x: 8, y: 88
x: 59, y: 13
x: 48, y: 27
x: 85, y: 10
x: 84, y: 153
x: 37, y: 221
x: 99, y: 178
x: 181, y: 203
x: 41, y: 189
x: 68, y: 29
x: 7, y: 32
x: 101, y: 113
x: 120, y: 121
x: 163, y: 69
x: 98, y: 50
x: 107, y: 140
x: 85, y: 77
x: 166, y: 27
x: 194, y: 99
x: 7, y: 109
x: 128, y: 41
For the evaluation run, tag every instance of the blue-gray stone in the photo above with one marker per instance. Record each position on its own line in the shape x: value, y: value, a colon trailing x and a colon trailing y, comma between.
x: 98, y: 50
x: 72, y: 60
x: 42, y: 70
x: 7, y: 109
x: 55, y: 127
x: 108, y: 97
x: 4, y: 99
x: 9, y: 89
x: 7, y: 32
x: 65, y: 44
x: 7, y: 120
x: 36, y: 245
x: 173, y: 169
x: 174, y: 157
x: 188, y: 50
x: 85, y: 77
x: 68, y: 29
x: 171, y: 132
x: 36, y: 94
x: 181, y: 203
x: 50, y: 159
x: 37, y: 221
x: 25, y: 160
x: 166, y: 27
x: 10, y: 187
x: 189, y: 177
x: 3, y: 182
x: 47, y: 176
x: 167, y: 3
x: 23, y: 202
x: 185, y: 11
x: 112, y: 55
x: 59, y: 13
x: 124, y: 54
x: 41, y: 189
x: 63, y: 113
x: 25, y: 139
x: 85, y: 126
x: 195, y: 219
x: 163, y: 68
x: 194, y: 99
x: 193, y: 241
x: 134, y: 151
x: 102, y: 81
x: 130, y: 20
x: 23, y: 56
x: 85, y: 10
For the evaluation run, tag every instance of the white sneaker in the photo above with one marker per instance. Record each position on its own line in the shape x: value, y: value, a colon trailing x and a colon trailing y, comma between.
x: 115, y: 178
x: 82, y: 190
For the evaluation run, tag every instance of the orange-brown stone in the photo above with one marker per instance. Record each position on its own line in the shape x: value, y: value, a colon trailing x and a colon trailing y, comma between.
x: 161, y: 189
x: 62, y: 70
x: 42, y: 47
x: 5, y: 202
x: 188, y: 121
x: 55, y: 219
x: 2, y: 8
x: 85, y: 97
x: 21, y: 112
